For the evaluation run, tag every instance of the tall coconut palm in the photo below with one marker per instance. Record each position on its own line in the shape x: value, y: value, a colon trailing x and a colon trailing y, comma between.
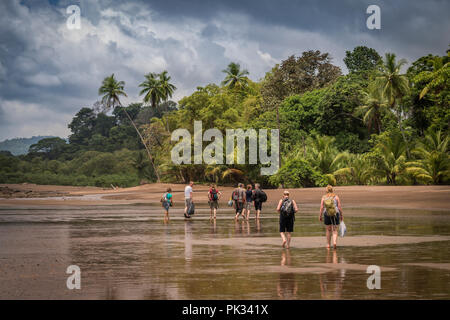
x: 374, y: 106
x: 235, y: 77
x: 152, y: 89
x: 166, y: 87
x: 111, y: 89
x: 433, y: 163
x: 393, y: 86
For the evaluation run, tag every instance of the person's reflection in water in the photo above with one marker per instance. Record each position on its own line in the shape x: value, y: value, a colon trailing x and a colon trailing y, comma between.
x: 258, y: 226
x: 331, y: 283
x: 188, y: 240
x: 213, y: 226
x: 287, y: 287
x: 245, y: 227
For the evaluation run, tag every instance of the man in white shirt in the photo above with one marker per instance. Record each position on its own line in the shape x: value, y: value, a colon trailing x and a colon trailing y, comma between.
x: 188, y: 198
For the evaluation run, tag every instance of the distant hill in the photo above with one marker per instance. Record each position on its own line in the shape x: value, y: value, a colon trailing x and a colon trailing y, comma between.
x: 18, y: 146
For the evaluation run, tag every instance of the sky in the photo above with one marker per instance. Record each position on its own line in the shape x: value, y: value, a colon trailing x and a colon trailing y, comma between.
x: 48, y: 72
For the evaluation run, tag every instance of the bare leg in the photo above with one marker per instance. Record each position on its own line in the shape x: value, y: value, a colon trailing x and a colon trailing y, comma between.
x: 328, y: 236
x: 335, y: 235
x: 248, y: 214
x: 166, y: 216
x: 215, y: 212
x: 288, y: 239
x: 283, y: 237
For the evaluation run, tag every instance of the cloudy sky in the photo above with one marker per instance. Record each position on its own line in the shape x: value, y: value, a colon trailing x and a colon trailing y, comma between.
x: 48, y: 72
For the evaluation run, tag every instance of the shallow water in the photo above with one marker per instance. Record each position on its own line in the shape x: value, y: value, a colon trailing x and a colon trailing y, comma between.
x: 128, y: 252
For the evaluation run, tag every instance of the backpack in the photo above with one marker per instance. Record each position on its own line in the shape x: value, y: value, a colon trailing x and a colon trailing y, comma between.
x: 287, y: 208
x: 163, y: 198
x: 238, y: 195
x: 213, y: 195
x: 330, y: 206
x: 262, y: 196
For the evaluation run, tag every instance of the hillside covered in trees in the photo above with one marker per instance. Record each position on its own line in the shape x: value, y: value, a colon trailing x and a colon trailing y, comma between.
x: 385, y: 122
x: 18, y: 146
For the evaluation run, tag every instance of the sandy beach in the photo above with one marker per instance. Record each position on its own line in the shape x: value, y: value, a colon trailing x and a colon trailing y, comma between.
x: 396, y: 197
x: 126, y: 251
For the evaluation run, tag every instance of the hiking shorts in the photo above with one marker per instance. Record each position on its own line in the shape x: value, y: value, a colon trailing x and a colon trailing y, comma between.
x: 286, y: 224
x: 166, y: 205
x: 258, y: 205
x: 331, y: 220
x: 214, y: 204
x: 187, y: 202
x: 239, y: 206
x: 248, y: 205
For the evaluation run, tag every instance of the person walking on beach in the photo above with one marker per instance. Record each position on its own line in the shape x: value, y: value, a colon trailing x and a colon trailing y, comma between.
x: 188, y: 200
x: 331, y: 214
x: 287, y: 209
x: 213, y: 200
x: 238, y: 196
x: 248, y: 202
x: 166, y: 202
x: 259, y: 197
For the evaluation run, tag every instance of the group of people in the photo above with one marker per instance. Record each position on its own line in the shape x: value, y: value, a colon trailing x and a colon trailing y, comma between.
x: 242, y: 198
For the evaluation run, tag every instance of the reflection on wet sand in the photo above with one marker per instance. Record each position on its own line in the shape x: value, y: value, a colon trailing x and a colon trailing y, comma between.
x: 331, y: 283
x: 188, y: 240
x: 287, y: 286
x: 130, y: 253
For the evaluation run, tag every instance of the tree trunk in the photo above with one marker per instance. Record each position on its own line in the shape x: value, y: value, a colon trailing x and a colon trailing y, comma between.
x: 145, y: 145
x: 399, y: 116
x: 279, y: 135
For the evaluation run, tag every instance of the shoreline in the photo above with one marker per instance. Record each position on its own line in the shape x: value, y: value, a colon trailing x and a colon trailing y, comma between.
x: 433, y: 198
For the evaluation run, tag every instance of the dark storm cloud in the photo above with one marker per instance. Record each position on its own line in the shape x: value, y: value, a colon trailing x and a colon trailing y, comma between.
x: 47, y: 73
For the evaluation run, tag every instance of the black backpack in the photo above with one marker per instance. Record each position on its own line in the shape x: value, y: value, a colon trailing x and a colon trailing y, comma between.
x: 287, y: 208
x: 262, y: 196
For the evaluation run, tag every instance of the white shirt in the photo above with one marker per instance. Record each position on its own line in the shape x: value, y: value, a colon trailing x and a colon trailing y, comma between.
x: 187, y: 192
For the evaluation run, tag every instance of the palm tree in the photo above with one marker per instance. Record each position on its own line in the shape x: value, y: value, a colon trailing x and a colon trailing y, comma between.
x: 390, y: 160
x: 235, y: 77
x: 433, y: 164
x: 324, y: 157
x: 166, y: 87
x: 373, y: 108
x: 152, y: 89
x: 437, y: 78
x: 234, y: 174
x: 393, y: 86
x: 358, y: 169
x: 111, y: 89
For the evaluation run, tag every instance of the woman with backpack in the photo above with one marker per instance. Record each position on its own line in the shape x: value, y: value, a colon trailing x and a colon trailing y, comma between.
x: 287, y: 209
x: 331, y: 214
x: 213, y: 200
x: 167, y: 202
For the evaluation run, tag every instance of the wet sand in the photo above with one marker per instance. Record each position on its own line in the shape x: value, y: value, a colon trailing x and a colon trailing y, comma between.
x: 125, y: 250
